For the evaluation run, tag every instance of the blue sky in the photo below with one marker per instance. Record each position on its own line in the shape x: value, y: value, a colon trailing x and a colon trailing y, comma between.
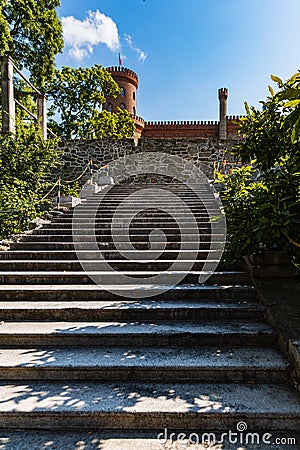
x: 183, y: 51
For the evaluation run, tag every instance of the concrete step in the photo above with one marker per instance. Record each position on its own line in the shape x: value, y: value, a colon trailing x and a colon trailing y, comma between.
x: 103, y: 213
x: 143, y: 231
x: 161, y: 333
x: 67, y: 222
x: 121, y: 218
x: 168, y: 364
x: 76, y: 292
x: 91, y: 211
x: 134, y: 223
x: 194, y: 406
x: 148, y: 224
x: 107, y: 246
x: 147, y: 227
x: 117, y: 276
x: 65, y: 250
x: 126, y: 310
x: 137, y: 440
x: 100, y: 217
x: 135, y: 234
x: 233, y: 277
x: 140, y: 208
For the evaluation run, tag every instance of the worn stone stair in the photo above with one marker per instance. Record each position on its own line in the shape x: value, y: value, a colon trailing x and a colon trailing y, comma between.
x: 81, y: 356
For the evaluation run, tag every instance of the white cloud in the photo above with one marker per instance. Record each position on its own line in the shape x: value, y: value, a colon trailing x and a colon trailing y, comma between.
x: 83, y: 35
x: 139, y: 51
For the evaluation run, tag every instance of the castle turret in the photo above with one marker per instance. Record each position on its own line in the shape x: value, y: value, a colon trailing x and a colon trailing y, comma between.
x: 223, y: 95
x: 128, y: 81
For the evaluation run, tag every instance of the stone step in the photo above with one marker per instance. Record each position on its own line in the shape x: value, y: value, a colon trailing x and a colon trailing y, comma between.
x: 141, y: 208
x: 147, y: 227
x: 168, y: 364
x: 126, y: 310
x: 234, y: 277
x: 115, y: 234
x: 155, y: 205
x: 117, y: 276
x: 148, y: 224
x: 107, y: 246
x: 120, y: 218
x: 135, y: 439
x: 91, y: 211
x: 101, y: 220
x: 140, y: 238
x: 66, y: 222
x: 193, y: 406
x: 69, y: 253
x: 87, y: 222
x: 152, y: 214
x: 139, y: 333
x: 79, y: 292
x: 137, y: 233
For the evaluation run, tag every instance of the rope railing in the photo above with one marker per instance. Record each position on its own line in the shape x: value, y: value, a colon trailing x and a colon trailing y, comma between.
x: 89, y: 165
x: 58, y: 183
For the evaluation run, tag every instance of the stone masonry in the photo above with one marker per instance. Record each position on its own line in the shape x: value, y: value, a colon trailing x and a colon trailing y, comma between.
x: 201, y: 151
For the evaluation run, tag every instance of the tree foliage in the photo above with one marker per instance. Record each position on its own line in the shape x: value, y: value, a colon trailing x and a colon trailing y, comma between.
x: 78, y: 96
x: 289, y: 95
x: 31, y: 33
x: 116, y: 126
x: 262, y: 201
x: 26, y: 162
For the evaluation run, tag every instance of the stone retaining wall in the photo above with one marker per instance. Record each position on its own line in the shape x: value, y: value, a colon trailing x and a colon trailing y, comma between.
x: 77, y: 154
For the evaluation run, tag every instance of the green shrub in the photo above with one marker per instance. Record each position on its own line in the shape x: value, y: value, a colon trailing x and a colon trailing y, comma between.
x: 26, y: 161
x: 262, y: 201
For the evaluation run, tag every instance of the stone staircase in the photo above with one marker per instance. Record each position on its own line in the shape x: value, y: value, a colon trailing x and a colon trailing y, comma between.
x: 77, y: 355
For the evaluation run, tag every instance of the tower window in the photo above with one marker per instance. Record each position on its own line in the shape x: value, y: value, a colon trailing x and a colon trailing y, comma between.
x: 123, y: 106
x: 110, y: 107
x: 134, y: 111
x: 123, y: 92
x: 133, y: 95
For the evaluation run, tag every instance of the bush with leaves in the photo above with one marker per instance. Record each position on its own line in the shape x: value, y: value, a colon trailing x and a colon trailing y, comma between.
x: 26, y: 163
x: 266, y: 212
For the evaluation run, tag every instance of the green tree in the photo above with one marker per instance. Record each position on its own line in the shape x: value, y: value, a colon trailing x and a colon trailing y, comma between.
x: 116, y: 126
x: 31, y: 33
x: 77, y: 97
x: 262, y: 201
x: 26, y: 162
x: 289, y: 94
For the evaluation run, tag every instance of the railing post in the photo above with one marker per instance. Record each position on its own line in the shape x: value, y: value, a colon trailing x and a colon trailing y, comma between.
x: 8, y: 101
x: 42, y: 114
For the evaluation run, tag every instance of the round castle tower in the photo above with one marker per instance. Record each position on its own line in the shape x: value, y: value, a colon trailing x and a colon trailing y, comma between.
x: 128, y: 82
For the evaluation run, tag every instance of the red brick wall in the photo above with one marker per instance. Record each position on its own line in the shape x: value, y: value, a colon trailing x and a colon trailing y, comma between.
x: 187, y: 129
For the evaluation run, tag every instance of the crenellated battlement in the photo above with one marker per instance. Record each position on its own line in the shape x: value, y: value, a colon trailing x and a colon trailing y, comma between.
x: 234, y: 117
x: 123, y: 71
x: 137, y: 118
x: 184, y: 123
x: 203, y: 128
x: 223, y: 93
x: 128, y: 81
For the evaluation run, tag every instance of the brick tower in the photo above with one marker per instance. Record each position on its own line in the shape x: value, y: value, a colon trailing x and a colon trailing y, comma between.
x: 128, y: 82
x: 223, y: 95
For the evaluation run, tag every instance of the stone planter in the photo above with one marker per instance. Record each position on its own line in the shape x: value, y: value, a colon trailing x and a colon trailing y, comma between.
x: 269, y: 263
x: 69, y: 201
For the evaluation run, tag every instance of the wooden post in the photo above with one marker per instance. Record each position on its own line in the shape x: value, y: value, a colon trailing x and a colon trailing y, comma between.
x: 42, y: 114
x: 8, y: 101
